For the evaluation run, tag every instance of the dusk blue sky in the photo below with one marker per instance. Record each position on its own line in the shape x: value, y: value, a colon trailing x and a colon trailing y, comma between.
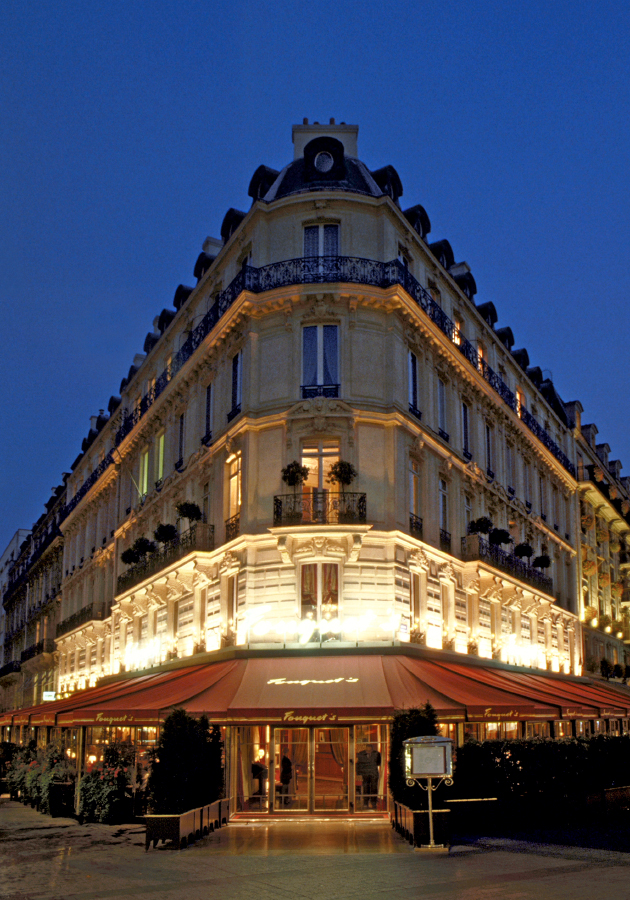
x: 128, y: 130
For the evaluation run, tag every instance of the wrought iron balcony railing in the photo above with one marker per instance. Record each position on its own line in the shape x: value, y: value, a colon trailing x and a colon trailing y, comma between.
x: 415, y: 525
x: 10, y: 668
x: 475, y: 547
x: 95, y: 612
x: 445, y: 540
x: 319, y: 508
x: 198, y: 537
x: 321, y: 270
x: 45, y: 646
x: 232, y: 527
x: 319, y: 390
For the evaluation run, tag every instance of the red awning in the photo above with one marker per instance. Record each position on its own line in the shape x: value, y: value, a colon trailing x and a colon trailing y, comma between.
x: 318, y: 688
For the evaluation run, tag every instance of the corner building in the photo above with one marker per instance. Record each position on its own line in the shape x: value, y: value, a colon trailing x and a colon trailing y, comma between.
x: 324, y: 326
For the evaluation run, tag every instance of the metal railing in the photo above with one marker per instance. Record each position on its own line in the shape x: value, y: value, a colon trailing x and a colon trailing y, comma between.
x: 319, y: 508
x: 10, y: 667
x: 232, y: 527
x: 445, y: 540
x: 45, y: 646
x: 415, y: 525
x: 475, y: 547
x: 198, y: 537
x: 321, y: 270
x: 319, y: 390
x: 93, y: 612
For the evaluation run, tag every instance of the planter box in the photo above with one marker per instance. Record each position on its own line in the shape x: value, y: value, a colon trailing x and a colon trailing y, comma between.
x: 184, y: 828
x: 413, y: 825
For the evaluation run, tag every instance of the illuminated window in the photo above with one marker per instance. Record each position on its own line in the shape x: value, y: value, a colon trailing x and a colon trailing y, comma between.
x: 520, y: 401
x: 232, y: 603
x: 320, y: 351
x: 321, y: 240
x: 185, y: 616
x: 144, y: 473
x: 414, y: 598
x: 457, y: 331
x: 159, y: 456
x: 235, y: 483
x: 318, y: 457
x: 319, y: 594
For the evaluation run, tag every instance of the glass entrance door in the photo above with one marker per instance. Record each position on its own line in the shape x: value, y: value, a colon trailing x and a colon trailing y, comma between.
x: 311, y: 770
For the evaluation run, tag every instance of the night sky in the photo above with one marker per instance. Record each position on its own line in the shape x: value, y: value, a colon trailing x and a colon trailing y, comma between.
x: 128, y: 130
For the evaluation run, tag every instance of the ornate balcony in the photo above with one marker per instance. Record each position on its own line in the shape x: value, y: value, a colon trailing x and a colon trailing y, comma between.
x: 198, y: 537
x: 415, y: 526
x: 319, y: 508
x: 474, y: 547
x: 232, y: 527
x: 319, y: 390
x: 445, y: 540
x: 91, y: 613
x: 45, y: 646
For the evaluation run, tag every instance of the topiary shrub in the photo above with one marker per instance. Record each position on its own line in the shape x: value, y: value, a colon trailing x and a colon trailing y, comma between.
x: 482, y: 525
x: 524, y: 551
x: 185, y: 769
x: 499, y: 536
x: 164, y: 534
x: 342, y: 473
x: 542, y: 561
x: 295, y: 474
x: 189, y: 511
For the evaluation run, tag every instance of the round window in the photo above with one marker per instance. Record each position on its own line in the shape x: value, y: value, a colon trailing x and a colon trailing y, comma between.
x: 324, y: 161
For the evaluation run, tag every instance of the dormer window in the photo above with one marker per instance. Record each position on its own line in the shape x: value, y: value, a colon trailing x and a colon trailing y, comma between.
x: 324, y: 161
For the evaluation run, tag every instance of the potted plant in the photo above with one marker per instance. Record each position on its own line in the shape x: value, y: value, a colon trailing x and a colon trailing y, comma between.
x: 343, y: 473
x: 189, y: 511
x: 524, y: 550
x: 165, y: 533
x: 542, y: 561
x: 482, y: 525
x: 499, y: 536
x: 605, y: 668
x: 589, y: 567
x: 294, y: 475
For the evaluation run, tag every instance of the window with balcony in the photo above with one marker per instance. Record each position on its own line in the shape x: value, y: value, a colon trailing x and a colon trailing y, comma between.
x: 143, y: 481
x: 237, y: 385
x: 441, y: 398
x: 520, y: 402
x: 542, y: 494
x: 509, y: 468
x: 159, y: 458
x: 445, y: 535
x: 467, y: 511
x: 320, y: 361
x: 466, y: 431
x: 207, y: 435
x: 321, y: 240
x: 489, y: 451
x: 412, y: 382
x: 235, y: 483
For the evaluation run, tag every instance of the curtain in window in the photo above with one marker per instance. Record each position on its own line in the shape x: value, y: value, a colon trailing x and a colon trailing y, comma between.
x: 311, y: 240
x: 330, y: 354
x: 331, y: 240
x: 309, y: 591
x: 330, y: 592
x: 309, y: 355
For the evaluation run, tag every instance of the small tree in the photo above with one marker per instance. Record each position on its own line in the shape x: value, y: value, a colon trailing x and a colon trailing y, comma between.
x: 482, y: 525
x: 617, y: 671
x: 626, y: 673
x: 138, y: 550
x: 499, y: 536
x: 605, y: 668
x: 295, y: 474
x: 189, y: 511
x: 524, y: 551
x: 542, y: 561
x: 165, y: 533
x: 186, y: 767
x: 342, y: 473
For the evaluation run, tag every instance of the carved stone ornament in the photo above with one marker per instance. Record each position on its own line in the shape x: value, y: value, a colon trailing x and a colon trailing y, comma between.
x: 473, y: 586
x: 318, y: 308
x: 446, y: 572
x: 419, y: 560
x: 342, y: 548
x: 229, y: 561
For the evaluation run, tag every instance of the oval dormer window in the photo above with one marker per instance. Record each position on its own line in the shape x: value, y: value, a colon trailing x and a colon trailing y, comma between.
x: 324, y: 161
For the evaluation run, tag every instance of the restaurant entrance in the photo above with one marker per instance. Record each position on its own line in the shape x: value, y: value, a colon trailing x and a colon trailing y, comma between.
x: 311, y: 770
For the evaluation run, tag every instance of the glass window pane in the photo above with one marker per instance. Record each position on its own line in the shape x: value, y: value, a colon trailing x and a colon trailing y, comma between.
x: 330, y: 354
x: 309, y: 355
x: 309, y: 592
x: 331, y: 240
x: 311, y: 240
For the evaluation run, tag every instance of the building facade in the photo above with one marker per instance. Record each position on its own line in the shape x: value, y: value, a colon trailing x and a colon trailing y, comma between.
x: 326, y: 330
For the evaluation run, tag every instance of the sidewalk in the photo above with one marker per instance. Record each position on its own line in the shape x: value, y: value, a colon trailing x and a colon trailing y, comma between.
x: 57, y: 859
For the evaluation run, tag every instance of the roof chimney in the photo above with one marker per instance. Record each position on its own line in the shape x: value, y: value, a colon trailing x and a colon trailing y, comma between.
x: 304, y: 133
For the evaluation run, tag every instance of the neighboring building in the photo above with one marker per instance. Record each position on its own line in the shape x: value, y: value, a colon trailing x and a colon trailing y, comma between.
x: 604, y: 558
x: 6, y: 562
x: 324, y: 328
x: 31, y: 598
